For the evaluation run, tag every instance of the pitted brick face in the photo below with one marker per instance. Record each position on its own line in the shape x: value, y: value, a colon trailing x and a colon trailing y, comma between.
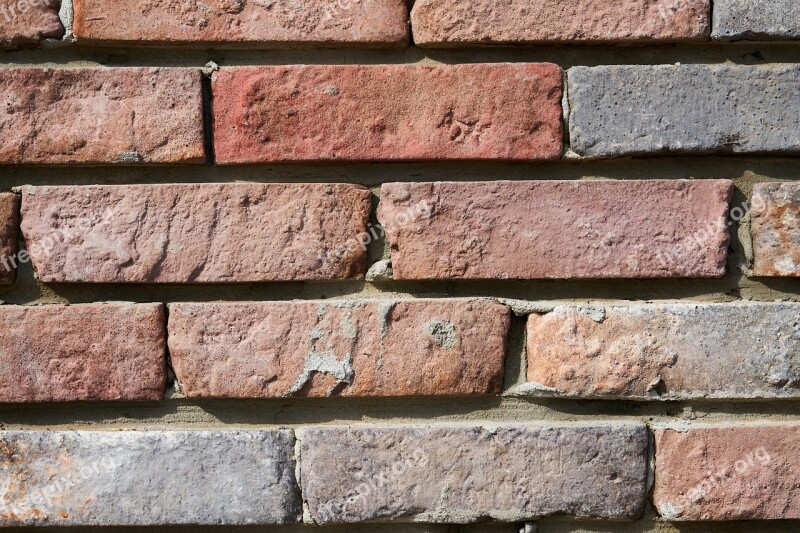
x: 26, y: 24
x: 775, y: 228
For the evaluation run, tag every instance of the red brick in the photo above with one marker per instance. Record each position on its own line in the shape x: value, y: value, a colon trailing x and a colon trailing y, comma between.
x: 63, y: 353
x: 557, y: 229
x: 95, y: 115
x: 27, y: 29
x: 776, y: 229
x: 741, y: 472
x: 388, y: 112
x: 358, y: 348
x: 299, y: 22
x: 9, y: 236
x: 540, y: 21
x: 235, y: 232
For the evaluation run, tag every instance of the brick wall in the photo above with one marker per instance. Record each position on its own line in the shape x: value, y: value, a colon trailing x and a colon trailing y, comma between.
x: 461, y: 266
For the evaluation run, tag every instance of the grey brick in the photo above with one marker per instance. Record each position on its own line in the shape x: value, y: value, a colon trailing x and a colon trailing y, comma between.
x: 462, y: 474
x: 95, y: 478
x: 756, y: 19
x: 637, y: 110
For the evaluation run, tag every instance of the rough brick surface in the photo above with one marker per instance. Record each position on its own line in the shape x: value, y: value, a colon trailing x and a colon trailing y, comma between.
x: 27, y: 27
x: 235, y: 232
x: 82, y: 352
x: 388, y: 112
x: 557, y: 229
x: 363, y: 22
x: 461, y: 474
x: 267, y: 350
x: 674, y: 351
x: 96, y: 478
x: 96, y: 115
x: 741, y: 472
x: 538, y: 21
x: 765, y: 19
x: 9, y: 236
x: 775, y: 228
x: 632, y: 109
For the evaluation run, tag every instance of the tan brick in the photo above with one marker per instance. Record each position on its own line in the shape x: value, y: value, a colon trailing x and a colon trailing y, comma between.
x: 28, y: 27
x: 9, y: 236
x: 775, y: 228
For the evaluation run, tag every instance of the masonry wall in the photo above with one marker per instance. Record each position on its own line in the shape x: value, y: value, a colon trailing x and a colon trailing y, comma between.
x: 358, y: 265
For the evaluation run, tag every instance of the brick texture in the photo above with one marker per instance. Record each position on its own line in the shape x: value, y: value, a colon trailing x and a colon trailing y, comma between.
x: 633, y: 109
x: 100, y: 478
x: 200, y: 233
x: 9, y: 236
x: 94, y: 115
x: 775, y: 228
x: 301, y: 22
x: 462, y: 474
x: 272, y: 350
x: 737, y: 472
x: 552, y: 21
x: 27, y: 27
x: 62, y: 353
x: 674, y: 351
x: 557, y: 229
x: 366, y: 113
x: 765, y: 19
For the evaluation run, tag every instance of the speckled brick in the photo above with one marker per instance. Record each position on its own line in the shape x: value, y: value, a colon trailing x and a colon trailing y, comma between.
x: 264, y: 23
x: 775, y: 228
x: 462, y: 474
x: 101, y: 115
x: 9, y: 237
x: 196, y: 233
x: 625, y: 110
x: 454, y: 22
x: 58, y: 353
x: 666, y: 351
x: 557, y: 229
x: 761, y: 20
x: 129, y: 478
x: 388, y: 112
x: 355, y: 348
x: 29, y: 26
x: 731, y: 472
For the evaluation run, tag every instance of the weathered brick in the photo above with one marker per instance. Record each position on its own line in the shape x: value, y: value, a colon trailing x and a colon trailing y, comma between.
x: 60, y: 353
x: 631, y: 109
x: 235, y: 232
x: 299, y: 22
x: 740, y: 472
x: 406, y: 348
x: 765, y: 19
x: 775, y: 228
x: 96, y: 115
x: 557, y: 229
x: 387, y: 112
x: 9, y: 236
x: 540, y: 21
x: 101, y: 478
x: 461, y: 474
x: 25, y: 24
x: 666, y: 351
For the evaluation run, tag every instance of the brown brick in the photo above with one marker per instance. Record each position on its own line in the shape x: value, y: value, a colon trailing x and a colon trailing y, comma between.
x: 97, y: 115
x: 776, y: 229
x: 665, y: 351
x: 28, y: 27
x: 60, y: 353
x: 356, y: 348
x: 461, y: 474
x: 557, y: 229
x: 299, y: 22
x: 541, y: 21
x: 9, y: 236
x: 203, y: 233
x: 740, y: 472
x: 388, y: 112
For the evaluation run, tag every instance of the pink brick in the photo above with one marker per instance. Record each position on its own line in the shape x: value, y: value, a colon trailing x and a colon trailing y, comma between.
x: 357, y: 348
x: 26, y: 29
x: 9, y: 236
x: 388, y: 112
x: 62, y: 353
x: 557, y: 229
